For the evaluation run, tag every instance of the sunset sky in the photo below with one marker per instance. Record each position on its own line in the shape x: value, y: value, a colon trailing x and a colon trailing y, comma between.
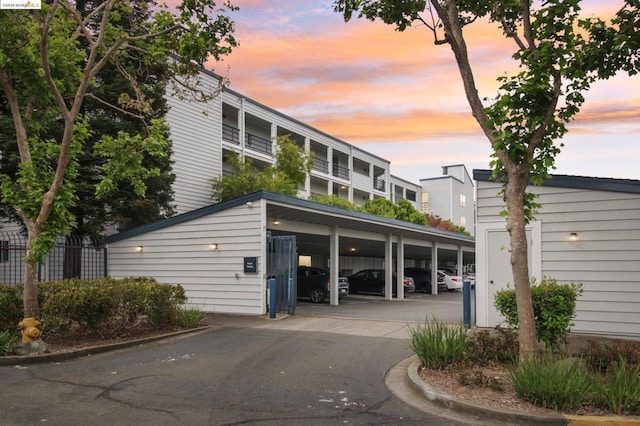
x: 399, y: 96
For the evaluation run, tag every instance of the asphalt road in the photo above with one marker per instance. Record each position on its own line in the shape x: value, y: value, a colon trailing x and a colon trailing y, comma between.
x: 225, y: 376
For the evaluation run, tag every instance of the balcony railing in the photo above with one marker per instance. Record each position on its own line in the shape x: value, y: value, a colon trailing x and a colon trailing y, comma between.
x: 257, y: 143
x: 379, y: 184
x: 320, y: 165
x: 341, y: 172
x: 230, y: 134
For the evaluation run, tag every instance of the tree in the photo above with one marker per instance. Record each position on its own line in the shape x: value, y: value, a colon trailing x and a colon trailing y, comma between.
x: 528, y: 114
x: 49, y: 61
x: 290, y: 171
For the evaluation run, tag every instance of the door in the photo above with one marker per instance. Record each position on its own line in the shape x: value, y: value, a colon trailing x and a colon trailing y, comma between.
x: 499, y: 273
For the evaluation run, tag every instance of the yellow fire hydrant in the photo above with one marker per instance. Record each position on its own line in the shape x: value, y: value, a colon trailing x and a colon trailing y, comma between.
x: 30, y: 330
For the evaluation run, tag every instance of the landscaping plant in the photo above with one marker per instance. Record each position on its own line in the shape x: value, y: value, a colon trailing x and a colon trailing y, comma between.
x: 554, y: 308
x: 438, y: 344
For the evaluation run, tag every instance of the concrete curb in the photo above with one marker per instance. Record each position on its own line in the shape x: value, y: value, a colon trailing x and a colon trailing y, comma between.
x: 484, y: 413
x: 92, y: 350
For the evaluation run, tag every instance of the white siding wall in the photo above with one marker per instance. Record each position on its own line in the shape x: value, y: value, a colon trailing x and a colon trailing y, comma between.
x: 214, y: 280
x: 605, y: 257
x: 196, y: 133
x: 439, y: 196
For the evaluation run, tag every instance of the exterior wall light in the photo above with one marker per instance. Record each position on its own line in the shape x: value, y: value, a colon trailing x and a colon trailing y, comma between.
x: 140, y: 249
x: 214, y: 246
x: 573, y: 236
x: 352, y: 249
x: 276, y: 222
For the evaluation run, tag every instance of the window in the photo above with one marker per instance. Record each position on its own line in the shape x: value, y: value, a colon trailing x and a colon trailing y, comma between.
x: 463, y: 221
x: 463, y: 200
x: 424, y: 206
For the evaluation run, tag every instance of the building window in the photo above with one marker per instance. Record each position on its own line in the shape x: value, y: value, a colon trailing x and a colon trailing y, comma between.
x: 424, y: 205
x: 463, y: 221
x: 463, y: 200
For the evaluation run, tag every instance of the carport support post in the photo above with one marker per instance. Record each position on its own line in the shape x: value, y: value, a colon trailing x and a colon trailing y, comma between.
x: 400, y: 268
x: 334, y: 265
x: 388, y: 267
x: 434, y: 268
x: 460, y: 261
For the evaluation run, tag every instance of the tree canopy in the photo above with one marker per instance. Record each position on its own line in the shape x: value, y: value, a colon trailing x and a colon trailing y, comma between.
x: 51, y: 60
x: 559, y: 55
x: 285, y: 176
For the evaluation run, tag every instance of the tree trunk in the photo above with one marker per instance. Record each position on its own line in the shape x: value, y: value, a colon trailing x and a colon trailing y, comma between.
x: 30, y: 296
x: 514, y: 193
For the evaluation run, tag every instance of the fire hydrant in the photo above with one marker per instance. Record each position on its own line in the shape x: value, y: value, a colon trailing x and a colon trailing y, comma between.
x: 30, y: 330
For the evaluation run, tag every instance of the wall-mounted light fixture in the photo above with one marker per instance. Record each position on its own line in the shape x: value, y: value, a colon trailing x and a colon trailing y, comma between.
x: 352, y: 249
x: 249, y: 204
x: 140, y: 249
x: 573, y: 236
x: 276, y: 221
x: 214, y: 246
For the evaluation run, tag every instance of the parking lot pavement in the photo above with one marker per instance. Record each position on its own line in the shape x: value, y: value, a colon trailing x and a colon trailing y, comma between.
x: 415, y: 308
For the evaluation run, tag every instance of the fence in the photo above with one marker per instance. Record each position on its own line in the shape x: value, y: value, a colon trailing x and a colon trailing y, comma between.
x: 72, y: 257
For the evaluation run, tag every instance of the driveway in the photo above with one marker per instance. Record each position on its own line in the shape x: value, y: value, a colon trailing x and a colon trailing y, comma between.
x: 416, y: 307
x: 242, y: 371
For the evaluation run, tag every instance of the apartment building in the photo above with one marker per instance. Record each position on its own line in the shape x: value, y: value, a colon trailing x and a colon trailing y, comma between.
x: 204, y: 134
x: 450, y: 196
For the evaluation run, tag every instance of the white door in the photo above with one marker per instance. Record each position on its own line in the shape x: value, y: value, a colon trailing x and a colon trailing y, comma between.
x: 499, y: 273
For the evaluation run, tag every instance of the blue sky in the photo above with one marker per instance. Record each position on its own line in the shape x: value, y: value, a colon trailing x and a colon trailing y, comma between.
x: 399, y: 96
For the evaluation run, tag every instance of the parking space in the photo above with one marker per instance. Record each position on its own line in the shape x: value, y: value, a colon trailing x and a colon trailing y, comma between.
x: 416, y: 307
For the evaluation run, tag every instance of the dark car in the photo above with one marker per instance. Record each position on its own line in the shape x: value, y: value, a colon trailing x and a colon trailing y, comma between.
x: 372, y: 281
x: 421, y: 278
x: 315, y: 283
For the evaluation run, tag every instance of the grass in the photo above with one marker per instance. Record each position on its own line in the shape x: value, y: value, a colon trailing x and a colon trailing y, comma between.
x: 620, y: 391
x: 7, y: 341
x: 189, y: 317
x: 438, y: 344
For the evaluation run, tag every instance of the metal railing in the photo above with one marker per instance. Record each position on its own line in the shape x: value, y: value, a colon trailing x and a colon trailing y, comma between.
x: 341, y: 172
x: 257, y: 143
x: 320, y: 165
x: 72, y: 257
x: 230, y: 134
x: 379, y: 184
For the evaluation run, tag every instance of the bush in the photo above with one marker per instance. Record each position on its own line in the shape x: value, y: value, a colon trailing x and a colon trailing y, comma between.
x: 7, y: 341
x: 438, y: 344
x: 556, y: 384
x: 108, y: 305
x: 600, y: 355
x: 621, y: 391
x: 485, y: 347
x: 10, y: 308
x: 554, y: 308
x: 189, y: 317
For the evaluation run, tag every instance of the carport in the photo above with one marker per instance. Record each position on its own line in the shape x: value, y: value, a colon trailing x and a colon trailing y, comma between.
x: 346, y: 241
x: 219, y: 253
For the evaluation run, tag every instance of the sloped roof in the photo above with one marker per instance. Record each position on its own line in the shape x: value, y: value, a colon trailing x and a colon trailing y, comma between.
x: 580, y: 182
x: 287, y: 207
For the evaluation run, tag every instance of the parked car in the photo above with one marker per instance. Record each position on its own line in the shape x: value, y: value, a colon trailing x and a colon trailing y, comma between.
x: 451, y: 281
x: 315, y: 284
x: 372, y: 281
x: 421, y: 278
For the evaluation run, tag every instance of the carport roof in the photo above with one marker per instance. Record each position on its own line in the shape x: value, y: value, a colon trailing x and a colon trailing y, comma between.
x: 305, y: 211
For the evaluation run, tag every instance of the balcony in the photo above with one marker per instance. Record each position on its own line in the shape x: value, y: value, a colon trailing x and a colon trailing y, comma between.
x: 230, y: 134
x: 257, y: 143
x: 379, y: 184
x: 320, y: 165
x: 341, y: 172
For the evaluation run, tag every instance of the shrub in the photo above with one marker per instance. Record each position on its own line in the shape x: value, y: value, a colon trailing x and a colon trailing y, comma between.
x: 189, y: 317
x: 10, y: 307
x: 7, y: 341
x: 556, y: 384
x: 554, y: 308
x: 621, y: 392
x: 108, y: 305
x: 600, y: 355
x: 438, y: 344
x: 485, y: 347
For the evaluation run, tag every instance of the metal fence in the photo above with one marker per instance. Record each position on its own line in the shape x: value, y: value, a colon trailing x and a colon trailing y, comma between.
x: 72, y: 257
